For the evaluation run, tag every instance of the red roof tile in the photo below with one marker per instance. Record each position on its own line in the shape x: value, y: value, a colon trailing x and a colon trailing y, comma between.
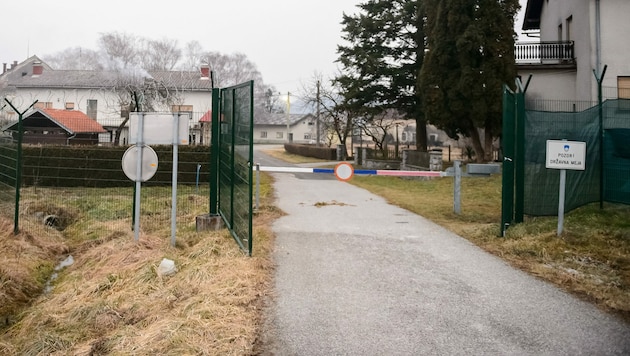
x: 207, y: 117
x: 74, y: 121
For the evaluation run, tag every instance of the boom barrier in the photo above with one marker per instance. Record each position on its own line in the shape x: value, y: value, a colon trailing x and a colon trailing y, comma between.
x: 344, y: 172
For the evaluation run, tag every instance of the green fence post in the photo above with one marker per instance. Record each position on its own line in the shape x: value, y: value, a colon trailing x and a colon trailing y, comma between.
x: 18, y: 168
x: 214, y: 152
x: 507, y: 141
x: 601, y: 134
x: 250, y: 120
x: 519, y: 162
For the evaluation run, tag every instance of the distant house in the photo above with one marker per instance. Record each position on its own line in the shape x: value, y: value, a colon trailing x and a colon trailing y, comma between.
x: 98, y: 93
x: 58, y: 127
x: 575, y: 38
x: 283, y: 128
x: 205, y: 128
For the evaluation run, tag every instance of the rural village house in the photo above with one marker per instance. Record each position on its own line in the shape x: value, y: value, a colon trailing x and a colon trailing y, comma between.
x: 58, y: 127
x: 98, y: 94
x: 574, y: 38
x: 283, y: 128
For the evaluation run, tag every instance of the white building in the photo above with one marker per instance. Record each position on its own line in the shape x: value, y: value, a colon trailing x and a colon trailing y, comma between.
x: 576, y: 38
x: 283, y: 128
x: 98, y: 93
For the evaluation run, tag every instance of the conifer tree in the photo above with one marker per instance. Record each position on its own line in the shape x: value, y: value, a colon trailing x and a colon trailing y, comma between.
x: 470, y: 55
x: 382, y: 60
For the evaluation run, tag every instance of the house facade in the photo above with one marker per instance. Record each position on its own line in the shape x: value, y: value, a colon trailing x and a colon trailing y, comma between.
x: 575, y: 38
x: 102, y: 95
x: 283, y: 128
x: 58, y: 127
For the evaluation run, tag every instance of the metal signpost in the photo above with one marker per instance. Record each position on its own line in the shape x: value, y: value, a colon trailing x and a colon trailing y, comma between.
x: 564, y: 155
x: 165, y: 129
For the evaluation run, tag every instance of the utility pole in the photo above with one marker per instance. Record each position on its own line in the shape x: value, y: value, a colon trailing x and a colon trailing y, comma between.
x: 317, y: 125
x: 288, y: 117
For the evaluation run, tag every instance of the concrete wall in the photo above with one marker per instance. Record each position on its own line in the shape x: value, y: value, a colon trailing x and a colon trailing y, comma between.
x: 549, y: 83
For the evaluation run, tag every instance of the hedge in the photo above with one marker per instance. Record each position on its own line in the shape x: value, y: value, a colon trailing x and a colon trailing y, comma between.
x: 72, y: 166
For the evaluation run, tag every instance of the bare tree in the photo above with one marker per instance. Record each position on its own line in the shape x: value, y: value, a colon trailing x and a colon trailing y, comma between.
x: 272, y: 103
x: 335, y: 121
x: 121, y: 49
x: 231, y: 69
x: 76, y: 58
x: 128, y: 58
x: 377, y: 127
x: 193, y: 54
x: 160, y: 55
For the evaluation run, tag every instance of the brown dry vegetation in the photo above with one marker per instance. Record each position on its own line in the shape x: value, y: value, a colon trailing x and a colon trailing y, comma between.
x: 113, y: 301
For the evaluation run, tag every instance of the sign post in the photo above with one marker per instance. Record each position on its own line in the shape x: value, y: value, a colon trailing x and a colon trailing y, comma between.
x: 163, y: 129
x: 564, y: 155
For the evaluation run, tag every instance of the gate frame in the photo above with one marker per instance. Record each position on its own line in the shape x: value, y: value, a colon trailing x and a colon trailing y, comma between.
x: 513, y: 142
x: 218, y: 95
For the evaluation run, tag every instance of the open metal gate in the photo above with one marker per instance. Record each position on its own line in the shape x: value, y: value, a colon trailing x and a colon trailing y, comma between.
x: 233, y: 120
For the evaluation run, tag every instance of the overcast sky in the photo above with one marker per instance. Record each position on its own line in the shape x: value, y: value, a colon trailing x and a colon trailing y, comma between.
x: 288, y: 40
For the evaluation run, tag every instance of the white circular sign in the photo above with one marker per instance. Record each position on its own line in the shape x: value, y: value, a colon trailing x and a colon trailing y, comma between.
x: 344, y: 171
x: 149, y: 163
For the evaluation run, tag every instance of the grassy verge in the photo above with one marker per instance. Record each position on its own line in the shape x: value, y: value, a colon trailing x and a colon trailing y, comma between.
x: 591, y: 259
x: 112, y: 300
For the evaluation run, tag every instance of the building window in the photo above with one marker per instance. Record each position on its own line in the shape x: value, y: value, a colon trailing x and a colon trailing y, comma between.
x: 43, y: 105
x: 263, y: 134
x: 623, y: 87
x: 184, y: 109
x: 307, y: 136
x: 181, y: 108
x: 69, y: 106
x: 279, y: 134
x: 92, y: 109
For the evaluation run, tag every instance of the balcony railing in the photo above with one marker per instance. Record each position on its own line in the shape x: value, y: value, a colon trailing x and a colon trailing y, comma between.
x: 560, y: 52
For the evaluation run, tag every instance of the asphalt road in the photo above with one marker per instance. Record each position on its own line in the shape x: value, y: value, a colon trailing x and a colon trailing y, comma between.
x: 358, y: 276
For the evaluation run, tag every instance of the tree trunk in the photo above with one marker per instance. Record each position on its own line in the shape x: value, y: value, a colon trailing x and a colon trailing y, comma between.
x: 477, y: 146
x: 119, y: 130
x: 421, y: 135
x: 488, y: 140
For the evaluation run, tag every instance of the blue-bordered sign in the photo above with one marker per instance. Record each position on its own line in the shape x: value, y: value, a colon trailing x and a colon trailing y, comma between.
x: 566, y: 155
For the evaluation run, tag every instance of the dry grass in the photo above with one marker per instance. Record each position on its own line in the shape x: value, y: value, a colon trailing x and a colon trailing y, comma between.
x: 113, y: 301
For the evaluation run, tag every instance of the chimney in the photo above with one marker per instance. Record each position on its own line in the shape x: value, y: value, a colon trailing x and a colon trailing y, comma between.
x: 38, y: 69
x: 14, y: 64
x: 205, y: 71
x: 4, y: 68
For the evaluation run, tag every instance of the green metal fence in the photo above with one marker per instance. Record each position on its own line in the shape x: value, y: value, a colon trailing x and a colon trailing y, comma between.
x: 606, y: 131
x: 235, y: 156
x: 84, y: 187
x: 8, y: 176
